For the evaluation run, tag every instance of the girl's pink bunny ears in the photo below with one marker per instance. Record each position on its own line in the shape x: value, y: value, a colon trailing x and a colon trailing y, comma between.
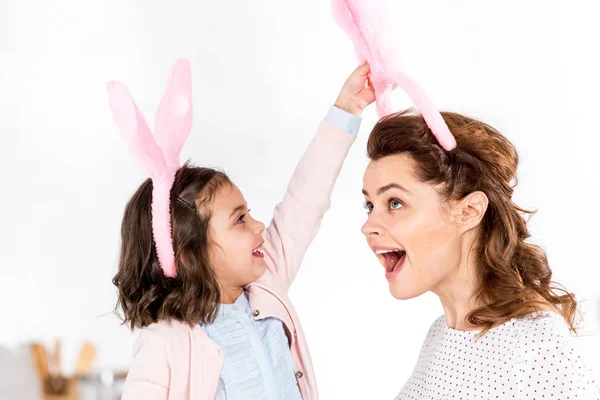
x: 360, y: 21
x: 158, y: 154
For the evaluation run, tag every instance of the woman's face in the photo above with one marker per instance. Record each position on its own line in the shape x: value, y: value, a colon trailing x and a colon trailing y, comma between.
x: 410, y: 228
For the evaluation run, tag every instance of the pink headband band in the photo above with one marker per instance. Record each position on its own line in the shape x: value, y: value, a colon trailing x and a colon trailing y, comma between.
x: 360, y: 21
x: 159, y: 154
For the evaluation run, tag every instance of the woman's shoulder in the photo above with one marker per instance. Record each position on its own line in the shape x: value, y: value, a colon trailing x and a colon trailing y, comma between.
x: 540, y: 325
x: 438, y: 324
x: 546, y: 359
x: 542, y: 332
x: 436, y: 329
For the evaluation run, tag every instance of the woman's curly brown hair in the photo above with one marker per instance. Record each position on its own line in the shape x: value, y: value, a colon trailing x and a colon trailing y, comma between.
x: 145, y: 294
x: 514, y: 278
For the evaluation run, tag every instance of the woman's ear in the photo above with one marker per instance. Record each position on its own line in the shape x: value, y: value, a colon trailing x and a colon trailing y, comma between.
x: 469, y: 211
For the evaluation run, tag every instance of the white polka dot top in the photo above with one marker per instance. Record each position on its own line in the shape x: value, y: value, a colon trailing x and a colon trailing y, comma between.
x: 525, y: 358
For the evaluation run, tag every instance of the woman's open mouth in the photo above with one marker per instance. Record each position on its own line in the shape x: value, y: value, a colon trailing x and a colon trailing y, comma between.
x: 393, y: 261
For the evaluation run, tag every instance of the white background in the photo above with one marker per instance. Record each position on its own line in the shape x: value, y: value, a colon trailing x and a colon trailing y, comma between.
x: 264, y: 74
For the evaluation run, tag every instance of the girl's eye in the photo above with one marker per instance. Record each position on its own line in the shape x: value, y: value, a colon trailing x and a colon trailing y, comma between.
x: 240, y: 220
x: 395, y: 204
x: 369, y: 207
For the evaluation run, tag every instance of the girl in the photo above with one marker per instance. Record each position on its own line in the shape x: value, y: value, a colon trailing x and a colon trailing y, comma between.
x: 219, y: 324
x: 443, y: 220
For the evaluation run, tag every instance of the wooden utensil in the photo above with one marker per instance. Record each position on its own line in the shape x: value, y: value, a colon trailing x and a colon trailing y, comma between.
x: 40, y: 360
x: 87, y: 356
x: 55, y: 368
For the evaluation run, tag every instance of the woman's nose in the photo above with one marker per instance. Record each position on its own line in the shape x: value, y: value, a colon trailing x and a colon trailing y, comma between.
x: 372, y: 227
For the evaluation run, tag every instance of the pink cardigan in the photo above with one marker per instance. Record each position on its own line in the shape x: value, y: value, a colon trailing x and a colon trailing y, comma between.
x: 173, y: 361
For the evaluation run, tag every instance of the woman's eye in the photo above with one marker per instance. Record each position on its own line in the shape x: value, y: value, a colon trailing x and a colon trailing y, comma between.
x: 395, y: 204
x: 368, y: 207
x: 240, y: 220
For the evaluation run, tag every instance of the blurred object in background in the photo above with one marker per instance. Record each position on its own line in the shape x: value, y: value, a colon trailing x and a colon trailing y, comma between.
x: 17, y: 378
x: 107, y: 385
x: 53, y: 384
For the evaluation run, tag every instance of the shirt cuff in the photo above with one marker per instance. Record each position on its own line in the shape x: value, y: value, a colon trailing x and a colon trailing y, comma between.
x: 343, y: 120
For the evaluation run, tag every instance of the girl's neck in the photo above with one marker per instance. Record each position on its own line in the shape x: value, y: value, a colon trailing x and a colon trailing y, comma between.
x: 230, y: 295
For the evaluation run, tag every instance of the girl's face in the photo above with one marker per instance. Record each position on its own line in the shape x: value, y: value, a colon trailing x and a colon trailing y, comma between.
x: 235, y: 240
x: 409, y: 227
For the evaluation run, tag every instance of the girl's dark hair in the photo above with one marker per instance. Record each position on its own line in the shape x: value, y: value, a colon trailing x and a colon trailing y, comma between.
x: 514, y: 278
x: 145, y: 294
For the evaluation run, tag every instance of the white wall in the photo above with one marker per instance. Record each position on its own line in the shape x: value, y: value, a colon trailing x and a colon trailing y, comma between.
x: 265, y: 72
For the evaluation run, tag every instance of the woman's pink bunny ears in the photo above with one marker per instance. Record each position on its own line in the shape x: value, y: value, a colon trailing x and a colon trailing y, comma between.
x: 360, y: 21
x: 158, y: 154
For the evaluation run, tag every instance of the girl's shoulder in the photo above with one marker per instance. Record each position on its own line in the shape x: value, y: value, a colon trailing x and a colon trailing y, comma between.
x: 161, y: 327
x: 173, y: 331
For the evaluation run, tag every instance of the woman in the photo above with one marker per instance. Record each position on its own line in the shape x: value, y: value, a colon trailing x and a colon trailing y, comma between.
x: 444, y: 221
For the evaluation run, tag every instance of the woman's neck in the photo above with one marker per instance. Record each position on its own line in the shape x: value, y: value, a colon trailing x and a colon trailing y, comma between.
x: 456, y: 292
x: 458, y: 301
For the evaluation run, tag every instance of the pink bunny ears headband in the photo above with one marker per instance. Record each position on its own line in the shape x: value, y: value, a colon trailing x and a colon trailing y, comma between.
x: 359, y: 19
x: 158, y: 154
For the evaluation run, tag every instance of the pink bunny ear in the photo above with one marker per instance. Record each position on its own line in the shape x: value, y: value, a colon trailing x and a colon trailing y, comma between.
x: 345, y: 18
x: 135, y: 130
x: 174, y: 116
x: 362, y: 23
x: 159, y: 157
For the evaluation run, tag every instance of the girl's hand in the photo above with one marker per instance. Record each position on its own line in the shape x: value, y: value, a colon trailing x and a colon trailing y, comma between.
x: 357, y: 92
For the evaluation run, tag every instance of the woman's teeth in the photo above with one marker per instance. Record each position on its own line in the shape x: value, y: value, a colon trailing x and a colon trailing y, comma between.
x: 386, y: 251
